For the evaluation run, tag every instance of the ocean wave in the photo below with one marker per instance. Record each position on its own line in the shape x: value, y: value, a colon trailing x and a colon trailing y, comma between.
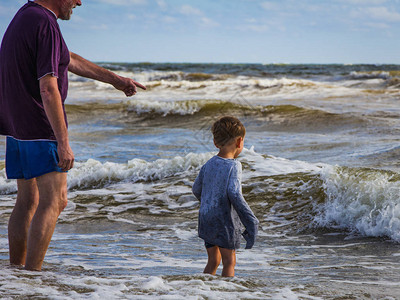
x: 270, y: 117
x: 197, y: 112
x: 165, y: 108
x: 357, y: 201
x: 168, y: 82
x: 154, y: 76
x: 380, y: 79
x: 299, y: 194
x: 196, y: 80
x: 268, y: 165
x: 93, y: 173
x: 362, y: 201
x: 174, y: 86
x: 184, y: 107
x: 237, y: 82
x: 371, y: 75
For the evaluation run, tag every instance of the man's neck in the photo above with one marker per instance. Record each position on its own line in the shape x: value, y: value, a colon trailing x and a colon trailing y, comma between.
x: 48, y: 5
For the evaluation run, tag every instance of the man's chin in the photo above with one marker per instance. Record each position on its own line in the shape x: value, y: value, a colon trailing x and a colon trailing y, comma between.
x: 66, y: 17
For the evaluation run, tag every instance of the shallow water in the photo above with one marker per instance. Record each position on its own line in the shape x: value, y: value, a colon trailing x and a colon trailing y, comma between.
x: 320, y: 171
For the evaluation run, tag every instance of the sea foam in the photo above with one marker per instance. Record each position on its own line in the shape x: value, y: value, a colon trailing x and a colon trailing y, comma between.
x: 94, y: 173
x: 362, y: 201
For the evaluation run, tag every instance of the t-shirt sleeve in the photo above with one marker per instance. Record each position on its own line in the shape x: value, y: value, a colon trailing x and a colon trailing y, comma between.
x: 243, y: 210
x: 48, y: 50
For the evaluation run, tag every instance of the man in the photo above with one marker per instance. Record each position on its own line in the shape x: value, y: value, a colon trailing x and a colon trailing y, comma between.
x: 34, y: 65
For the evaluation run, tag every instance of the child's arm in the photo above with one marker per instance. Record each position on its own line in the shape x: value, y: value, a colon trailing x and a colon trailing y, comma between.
x: 243, y: 210
x: 197, y: 185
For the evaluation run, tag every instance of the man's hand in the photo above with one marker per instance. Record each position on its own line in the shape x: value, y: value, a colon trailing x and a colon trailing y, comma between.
x: 55, y: 114
x: 82, y: 67
x: 66, y: 156
x: 128, y: 86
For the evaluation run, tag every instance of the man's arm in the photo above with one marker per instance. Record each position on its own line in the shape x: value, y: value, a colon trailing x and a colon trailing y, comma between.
x: 53, y: 107
x: 82, y: 67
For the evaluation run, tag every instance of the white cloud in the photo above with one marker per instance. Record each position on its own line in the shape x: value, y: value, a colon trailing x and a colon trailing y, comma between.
x: 382, y: 13
x: 169, y: 19
x: 99, y: 27
x: 190, y: 10
x: 162, y: 4
x: 377, y: 13
x: 252, y: 20
x: 377, y: 25
x: 255, y: 28
x: 294, y: 6
x: 199, y: 16
x: 270, y: 5
x: 364, y: 2
x: 208, y: 22
x: 77, y: 19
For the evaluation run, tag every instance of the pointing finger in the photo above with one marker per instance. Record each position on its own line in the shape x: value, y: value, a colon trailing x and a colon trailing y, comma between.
x: 140, y: 85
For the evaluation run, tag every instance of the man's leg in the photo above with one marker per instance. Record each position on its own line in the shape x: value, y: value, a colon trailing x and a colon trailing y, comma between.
x: 228, y: 261
x: 20, y: 219
x: 52, y: 200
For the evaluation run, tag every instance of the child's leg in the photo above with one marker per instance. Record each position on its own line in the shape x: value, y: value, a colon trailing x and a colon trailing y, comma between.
x: 214, y: 259
x: 229, y: 262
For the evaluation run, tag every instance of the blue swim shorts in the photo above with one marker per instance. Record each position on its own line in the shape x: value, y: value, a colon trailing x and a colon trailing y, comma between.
x: 30, y: 159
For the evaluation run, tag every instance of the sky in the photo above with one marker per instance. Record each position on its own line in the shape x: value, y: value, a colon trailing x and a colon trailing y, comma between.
x: 231, y: 31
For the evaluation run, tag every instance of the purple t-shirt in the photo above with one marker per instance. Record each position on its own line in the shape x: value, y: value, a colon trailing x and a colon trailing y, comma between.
x: 32, y: 47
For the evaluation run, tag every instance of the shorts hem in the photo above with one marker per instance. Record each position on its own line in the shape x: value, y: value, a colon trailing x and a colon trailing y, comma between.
x: 35, y: 175
x: 210, y: 245
x: 30, y: 159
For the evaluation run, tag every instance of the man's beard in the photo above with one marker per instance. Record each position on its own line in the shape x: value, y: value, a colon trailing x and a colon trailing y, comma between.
x: 66, y: 9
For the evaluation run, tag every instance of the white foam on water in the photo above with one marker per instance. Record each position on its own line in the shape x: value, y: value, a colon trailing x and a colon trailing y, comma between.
x: 289, y: 294
x: 242, y: 89
x: 7, y: 186
x: 363, y: 201
x: 167, y: 107
x: 377, y: 282
x: 360, y: 200
x: 59, y: 285
x: 370, y: 75
x: 271, y: 165
x: 92, y: 171
x: 156, y: 283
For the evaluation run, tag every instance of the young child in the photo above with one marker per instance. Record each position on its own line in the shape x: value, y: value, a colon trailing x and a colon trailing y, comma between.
x: 222, y: 206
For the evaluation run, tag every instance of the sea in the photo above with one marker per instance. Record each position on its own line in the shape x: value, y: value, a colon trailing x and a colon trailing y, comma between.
x: 321, y: 171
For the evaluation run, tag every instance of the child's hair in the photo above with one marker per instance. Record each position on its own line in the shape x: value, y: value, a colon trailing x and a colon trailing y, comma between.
x: 226, y: 129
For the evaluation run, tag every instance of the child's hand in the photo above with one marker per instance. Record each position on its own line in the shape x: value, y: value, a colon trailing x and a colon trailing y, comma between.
x: 249, y: 239
x: 249, y: 245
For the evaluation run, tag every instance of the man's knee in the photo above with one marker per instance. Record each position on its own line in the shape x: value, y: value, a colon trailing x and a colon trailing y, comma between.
x: 27, y: 196
x: 63, y: 199
x: 53, y: 190
x: 60, y: 199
